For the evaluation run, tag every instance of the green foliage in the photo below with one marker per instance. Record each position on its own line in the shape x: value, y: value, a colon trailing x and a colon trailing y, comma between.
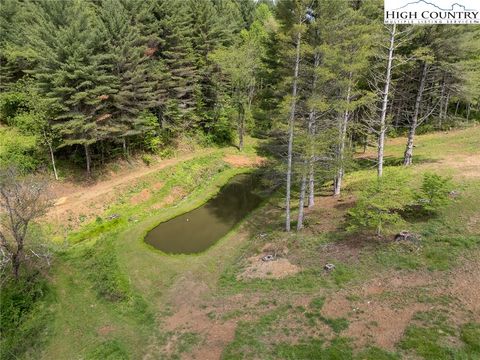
x: 24, y: 314
x: 108, y: 281
x: 147, y: 159
x: 11, y: 104
x: 18, y: 150
x: 380, y: 201
x: 435, y: 191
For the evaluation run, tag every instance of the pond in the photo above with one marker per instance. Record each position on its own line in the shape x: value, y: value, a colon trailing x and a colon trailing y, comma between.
x: 197, y: 230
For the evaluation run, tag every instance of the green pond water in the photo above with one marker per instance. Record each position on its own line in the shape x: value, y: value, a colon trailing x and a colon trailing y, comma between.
x: 197, y: 230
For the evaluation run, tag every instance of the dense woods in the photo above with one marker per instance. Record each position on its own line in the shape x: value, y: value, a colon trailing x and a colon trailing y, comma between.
x: 86, y: 81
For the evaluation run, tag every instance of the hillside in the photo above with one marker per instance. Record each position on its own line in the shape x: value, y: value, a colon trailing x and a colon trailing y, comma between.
x: 113, y: 297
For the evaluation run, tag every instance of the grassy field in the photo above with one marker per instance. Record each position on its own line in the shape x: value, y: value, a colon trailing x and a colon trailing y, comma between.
x: 110, y: 296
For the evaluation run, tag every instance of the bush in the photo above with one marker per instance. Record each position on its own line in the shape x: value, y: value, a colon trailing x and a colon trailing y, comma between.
x: 18, y: 150
x: 380, y: 201
x: 434, y: 192
x: 147, y: 159
x: 23, y: 314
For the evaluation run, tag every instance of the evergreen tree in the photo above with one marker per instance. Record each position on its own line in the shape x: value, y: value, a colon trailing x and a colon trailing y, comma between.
x: 72, y: 69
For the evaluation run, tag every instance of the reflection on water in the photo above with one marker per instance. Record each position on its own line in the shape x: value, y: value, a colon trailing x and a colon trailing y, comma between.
x: 198, y: 229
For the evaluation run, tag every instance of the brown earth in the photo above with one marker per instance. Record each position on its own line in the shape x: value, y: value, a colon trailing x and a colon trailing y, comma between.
x: 74, y: 200
x: 242, y: 160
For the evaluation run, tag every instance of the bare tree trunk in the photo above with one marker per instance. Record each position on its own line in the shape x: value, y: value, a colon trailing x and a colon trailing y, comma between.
x: 442, y: 100
x: 337, y: 183
x: 301, y: 203
x: 311, y: 131
x: 88, y: 159
x: 241, y: 128
x: 468, y: 111
x: 443, y: 115
x: 17, y: 260
x: 408, y: 156
x: 52, y: 157
x: 456, y: 108
x: 291, y: 122
x: 383, y: 117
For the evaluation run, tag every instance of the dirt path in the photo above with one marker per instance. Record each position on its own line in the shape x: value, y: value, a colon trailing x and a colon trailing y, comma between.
x: 75, y: 199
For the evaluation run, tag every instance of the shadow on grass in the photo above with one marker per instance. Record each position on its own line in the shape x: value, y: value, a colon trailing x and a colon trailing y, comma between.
x: 365, y: 163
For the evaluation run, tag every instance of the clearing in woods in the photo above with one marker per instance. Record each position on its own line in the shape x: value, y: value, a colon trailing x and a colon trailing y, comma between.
x: 117, y: 298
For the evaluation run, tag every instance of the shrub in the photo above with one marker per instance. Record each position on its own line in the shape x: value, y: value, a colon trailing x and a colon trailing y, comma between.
x: 379, y: 203
x: 434, y: 192
x: 147, y: 159
x: 24, y: 314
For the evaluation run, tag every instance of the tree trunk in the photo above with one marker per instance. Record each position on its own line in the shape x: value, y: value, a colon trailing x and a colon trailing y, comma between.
x: 124, y: 146
x: 468, y: 111
x: 337, y: 183
x: 88, y: 159
x: 442, y: 101
x: 408, y: 156
x: 241, y: 128
x: 301, y: 203
x: 443, y: 116
x: 17, y: 259
x: 311, y: 132
x: 52, y: 157
x: 456, y: 108
x: 383, y: 117
x: 291, y: 121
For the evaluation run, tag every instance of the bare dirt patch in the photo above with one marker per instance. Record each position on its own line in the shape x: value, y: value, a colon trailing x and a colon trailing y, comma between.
x: 177, y: 193
x: 158, y: 185
x: 465, y: 286
x: 105, y: 330
x: 380, y: 324
x: 276, y: 269
x: 141, y: 197
x: 243, y: 161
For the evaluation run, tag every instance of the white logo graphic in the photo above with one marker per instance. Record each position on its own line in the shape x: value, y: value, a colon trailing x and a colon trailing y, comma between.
x: 432, y: 12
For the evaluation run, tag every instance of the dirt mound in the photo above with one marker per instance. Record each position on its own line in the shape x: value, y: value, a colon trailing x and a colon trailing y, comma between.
x: 276, y: 269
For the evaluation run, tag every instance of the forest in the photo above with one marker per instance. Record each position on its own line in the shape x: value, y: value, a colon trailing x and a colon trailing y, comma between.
x: 362, y: 140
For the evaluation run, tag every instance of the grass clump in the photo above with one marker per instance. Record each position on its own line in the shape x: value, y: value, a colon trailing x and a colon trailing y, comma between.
x: 337, y: 324
x: 102, y: 269
x: 109, y: 350
x: 470, y: 335
x: 427, y: 339
x: 317, y: 303
x: 375, y: 353
x: 338, y: 349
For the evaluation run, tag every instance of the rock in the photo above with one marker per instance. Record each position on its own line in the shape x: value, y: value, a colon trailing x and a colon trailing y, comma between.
x: 329, y: 267
x: 407, y: 236
x: 268, y: 257
x: 113, y: 217
x: 454, y: 194
x: 60, y: 201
